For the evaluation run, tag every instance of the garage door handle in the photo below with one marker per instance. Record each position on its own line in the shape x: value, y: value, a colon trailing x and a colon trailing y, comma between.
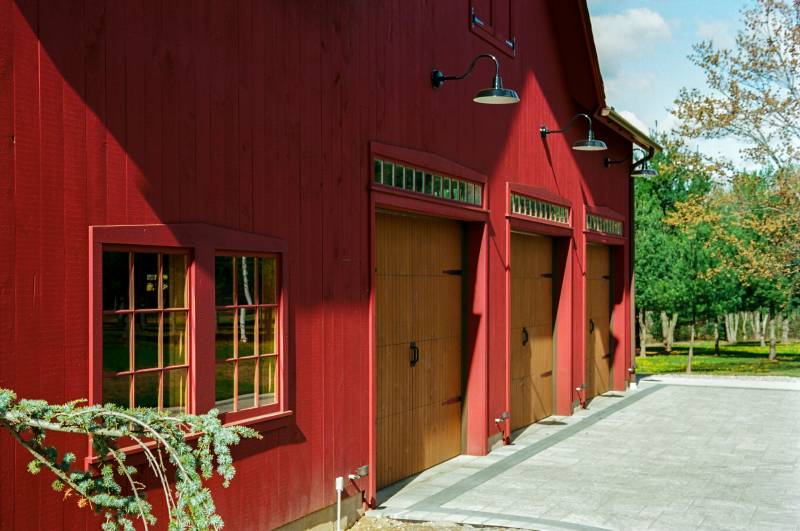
x: 414, y: 353
x: 591, y: 326
x: 546, y: 374
x: 524, y: 336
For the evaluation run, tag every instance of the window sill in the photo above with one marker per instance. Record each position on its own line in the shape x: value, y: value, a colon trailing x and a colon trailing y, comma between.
x: 261, y: 424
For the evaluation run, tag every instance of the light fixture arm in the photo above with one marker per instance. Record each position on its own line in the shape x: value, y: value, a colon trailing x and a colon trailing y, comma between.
x: 646, y: 157
x: 544, y: 131
x: 438, y: 78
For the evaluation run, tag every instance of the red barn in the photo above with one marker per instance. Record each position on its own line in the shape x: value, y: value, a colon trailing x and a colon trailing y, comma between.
x: 266, y: 207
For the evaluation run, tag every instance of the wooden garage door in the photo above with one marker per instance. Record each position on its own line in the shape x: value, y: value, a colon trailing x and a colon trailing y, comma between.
x: 531, y: 329
x: 598, y: 320
x: 418, y: 316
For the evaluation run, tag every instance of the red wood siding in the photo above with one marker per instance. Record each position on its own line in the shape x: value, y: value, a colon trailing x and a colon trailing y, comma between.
x: 258, y: 116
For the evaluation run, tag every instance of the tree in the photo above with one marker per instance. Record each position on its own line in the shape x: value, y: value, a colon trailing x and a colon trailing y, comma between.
x: 753, y: 95
x: 753, y: 89
x: 111, y: 486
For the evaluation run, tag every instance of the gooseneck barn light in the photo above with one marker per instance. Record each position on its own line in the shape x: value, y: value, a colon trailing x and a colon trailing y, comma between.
x: 640, y: 168
x: 588, y: 144
x: 494, y: 95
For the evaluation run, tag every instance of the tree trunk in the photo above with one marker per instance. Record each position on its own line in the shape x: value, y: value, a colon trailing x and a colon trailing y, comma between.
x: 673, y: 323
x: 716, y: 337
x: 773, y: 352
x: 762, y: 333
x: 744, y: 325
x: 691, y: 350
x: 642, y: 333
x: 785, y: 330
x: 665, y: 332
x: 735, y: 319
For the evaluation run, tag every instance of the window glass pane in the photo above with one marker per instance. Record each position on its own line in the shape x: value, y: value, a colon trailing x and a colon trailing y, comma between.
x: 266, y: 331
x: 146, y: 389
x: 175, y: 348
x: 117, y: 390
x: 224, y: 334
x: 116, y: 345
x: 174, y: 280
x: 268, y: 275
x: 247, y: 375
x: 145, y: 340
x: 245, y: 270
x: 223, y: 279
x: 224, y: 386
x: 145, y: 280
x: 115, y: 281
x: 247, y: 331
x: 267, y: 380
x: 175, y: 389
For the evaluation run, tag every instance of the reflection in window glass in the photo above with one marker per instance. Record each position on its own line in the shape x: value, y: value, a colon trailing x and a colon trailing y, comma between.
x: 146, y: 389
x: 247, y: 376
x: 175, y: 390
x: 247, y: 332
x: 116, y: 343
x: 224, y: 386
x: 267, y: 279
x: 174, y: 280
x: 117, y: 391
x: 145, y: 344
x: 115, y: 281
x: 145, y: 280
x: 267, y: 379
x: 266, y: 331
x: 175, y: 349
x: 223, y: 280
x: 245, y: 280
x: 224, y: 334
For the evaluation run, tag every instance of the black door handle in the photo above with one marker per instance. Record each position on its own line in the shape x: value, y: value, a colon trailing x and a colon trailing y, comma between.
x: 524, y: 336
x: 414, y: 353
x: 591, y: 326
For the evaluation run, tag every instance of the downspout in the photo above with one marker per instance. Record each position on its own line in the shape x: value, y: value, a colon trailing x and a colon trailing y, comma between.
x: 632, y: 262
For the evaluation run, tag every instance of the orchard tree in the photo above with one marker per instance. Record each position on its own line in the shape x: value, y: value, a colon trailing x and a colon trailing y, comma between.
x: 753, y: 89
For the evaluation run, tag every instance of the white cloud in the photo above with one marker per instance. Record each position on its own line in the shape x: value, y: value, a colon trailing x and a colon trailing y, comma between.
x: 634, y: 120
x: 719, y: 32
x: 622, y: 36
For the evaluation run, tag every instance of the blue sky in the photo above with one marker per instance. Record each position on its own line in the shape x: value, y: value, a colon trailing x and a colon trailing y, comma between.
x: 643, y: 47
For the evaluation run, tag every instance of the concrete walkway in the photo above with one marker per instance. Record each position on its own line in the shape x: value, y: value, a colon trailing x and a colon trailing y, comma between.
x: 679, y: 453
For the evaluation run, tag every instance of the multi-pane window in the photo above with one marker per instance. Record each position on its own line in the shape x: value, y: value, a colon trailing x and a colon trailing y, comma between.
x: 246, y: 350
x: 145, y: 329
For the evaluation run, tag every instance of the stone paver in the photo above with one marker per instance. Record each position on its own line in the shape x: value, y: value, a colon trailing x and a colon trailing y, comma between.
x: 679, y: 453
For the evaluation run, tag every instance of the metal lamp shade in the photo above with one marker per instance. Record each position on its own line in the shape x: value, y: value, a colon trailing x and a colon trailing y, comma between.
x: 644, y: 172
x: 590, y: 144
x: 496, y: 96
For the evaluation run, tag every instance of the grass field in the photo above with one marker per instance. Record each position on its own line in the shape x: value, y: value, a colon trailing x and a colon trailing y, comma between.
x: 739, y: 359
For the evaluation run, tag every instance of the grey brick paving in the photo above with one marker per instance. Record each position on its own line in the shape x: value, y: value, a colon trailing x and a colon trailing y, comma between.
x: 680, y: 453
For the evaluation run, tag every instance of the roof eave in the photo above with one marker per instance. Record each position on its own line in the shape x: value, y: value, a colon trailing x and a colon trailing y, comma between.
x: 615, y: 120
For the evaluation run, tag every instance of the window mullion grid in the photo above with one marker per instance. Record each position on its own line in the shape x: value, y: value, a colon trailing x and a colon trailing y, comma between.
x: 235, y: 337
x: 131, y: 332
x: 256, y: 334
x: 160, y: 297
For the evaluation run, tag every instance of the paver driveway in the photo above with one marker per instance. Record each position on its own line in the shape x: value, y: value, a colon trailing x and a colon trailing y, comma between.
x: 676, y: 454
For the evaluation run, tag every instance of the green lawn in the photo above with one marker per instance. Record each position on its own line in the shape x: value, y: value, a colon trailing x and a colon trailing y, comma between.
x: 741, y: 359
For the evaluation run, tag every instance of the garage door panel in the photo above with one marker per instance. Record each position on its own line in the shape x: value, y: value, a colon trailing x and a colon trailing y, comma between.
x: 532, y: 308
x: 420, y: 424
x: 598, y: 368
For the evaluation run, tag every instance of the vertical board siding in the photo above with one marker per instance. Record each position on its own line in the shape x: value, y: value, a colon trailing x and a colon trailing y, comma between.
x: 257, y: 116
